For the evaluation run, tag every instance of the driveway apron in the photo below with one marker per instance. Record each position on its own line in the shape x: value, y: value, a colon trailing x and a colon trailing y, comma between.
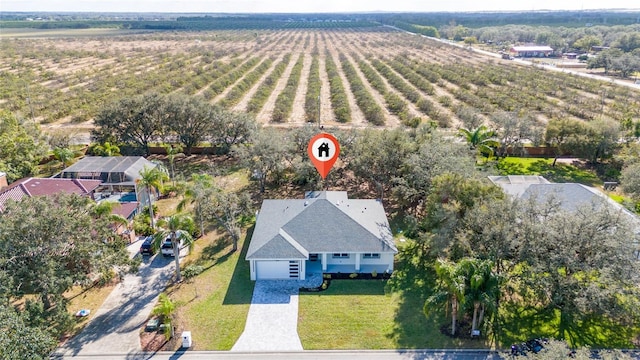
x: 272, y: 322
x: 115, y: 327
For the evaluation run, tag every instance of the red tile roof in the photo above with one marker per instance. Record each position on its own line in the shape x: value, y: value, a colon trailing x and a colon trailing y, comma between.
x: 46, y: 186
x: 125, y: 209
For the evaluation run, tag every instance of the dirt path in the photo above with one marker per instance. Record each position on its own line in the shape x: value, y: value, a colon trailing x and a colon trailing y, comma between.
x: 298, y: 114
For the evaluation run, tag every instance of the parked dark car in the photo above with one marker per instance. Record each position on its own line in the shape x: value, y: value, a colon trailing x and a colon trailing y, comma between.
x: 531, y: 345
x: 536, y: 345
x: 147, y: 246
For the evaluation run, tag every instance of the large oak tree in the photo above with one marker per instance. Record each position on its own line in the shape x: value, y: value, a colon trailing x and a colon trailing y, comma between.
x: 48, y: 245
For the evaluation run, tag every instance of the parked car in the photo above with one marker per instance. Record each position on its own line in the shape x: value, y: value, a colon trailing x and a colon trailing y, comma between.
x: 531, y: 345
x: 167, y: 247
x: 536, y: 345
x: 147, y: 246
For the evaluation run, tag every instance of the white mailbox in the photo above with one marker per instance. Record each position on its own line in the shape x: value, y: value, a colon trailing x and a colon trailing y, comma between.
x: 186, y: 339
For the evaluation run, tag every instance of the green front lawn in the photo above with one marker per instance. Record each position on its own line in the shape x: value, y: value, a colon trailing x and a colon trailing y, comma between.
x: 358, y: 314
x: 561, y: 173
x: 214, y: 305
x: 520, y: 324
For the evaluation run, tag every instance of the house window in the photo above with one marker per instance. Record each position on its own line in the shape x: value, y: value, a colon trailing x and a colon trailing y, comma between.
x: 371, y: 256
x: 340, y: 256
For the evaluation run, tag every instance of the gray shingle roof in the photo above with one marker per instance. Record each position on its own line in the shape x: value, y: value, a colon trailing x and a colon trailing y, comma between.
x: 323, y: 222
x: 570, y: 196
x: 130, y: 166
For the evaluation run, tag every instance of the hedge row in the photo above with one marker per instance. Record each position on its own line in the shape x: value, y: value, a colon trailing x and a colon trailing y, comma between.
x: 313, y: 90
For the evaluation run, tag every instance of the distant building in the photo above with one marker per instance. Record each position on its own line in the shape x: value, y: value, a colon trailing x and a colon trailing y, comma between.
x: 531, y: 51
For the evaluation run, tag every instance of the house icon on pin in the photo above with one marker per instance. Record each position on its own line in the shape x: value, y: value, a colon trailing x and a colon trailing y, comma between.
x: 323, y: 148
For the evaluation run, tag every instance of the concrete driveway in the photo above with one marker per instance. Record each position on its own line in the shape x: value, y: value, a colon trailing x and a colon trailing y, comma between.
x: 115, y: 327
x: 272, y: 322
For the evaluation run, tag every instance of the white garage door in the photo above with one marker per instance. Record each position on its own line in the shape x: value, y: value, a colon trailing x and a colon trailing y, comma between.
x: 273, y: 269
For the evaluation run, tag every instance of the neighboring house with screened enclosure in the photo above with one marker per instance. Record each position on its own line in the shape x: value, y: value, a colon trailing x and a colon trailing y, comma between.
x: 118, y: 176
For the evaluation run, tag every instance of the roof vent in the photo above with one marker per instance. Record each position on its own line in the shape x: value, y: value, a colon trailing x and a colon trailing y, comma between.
x: 306, y: 203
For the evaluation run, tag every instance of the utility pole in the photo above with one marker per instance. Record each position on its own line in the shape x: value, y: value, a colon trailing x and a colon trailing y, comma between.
x: 319, y: 126
x: 26, y: 87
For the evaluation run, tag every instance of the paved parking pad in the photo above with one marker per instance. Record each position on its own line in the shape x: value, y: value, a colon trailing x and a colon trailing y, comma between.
x: 272, y: 322
x: 115, y: 327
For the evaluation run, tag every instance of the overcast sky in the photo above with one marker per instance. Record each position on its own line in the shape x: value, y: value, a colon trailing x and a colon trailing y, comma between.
x: 303, y: 6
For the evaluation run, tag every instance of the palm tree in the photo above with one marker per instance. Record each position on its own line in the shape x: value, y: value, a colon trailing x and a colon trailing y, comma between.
x: 106, y: 149
x: 172, y: 152
x: 105, y: 209
x: 197, y: 193
x: 482, y: 287
x: 152, y: 179
x: 64, y: 155
x: 164, y: 309
x: 449, y: 290
x: 175, y: 228
x: 480, y: 139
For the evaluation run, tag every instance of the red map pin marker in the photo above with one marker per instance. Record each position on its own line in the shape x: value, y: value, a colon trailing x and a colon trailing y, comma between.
x: 323, y: 149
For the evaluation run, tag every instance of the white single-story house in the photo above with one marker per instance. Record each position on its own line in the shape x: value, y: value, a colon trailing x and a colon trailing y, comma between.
x: 570, y: 196
x: 531, y: 51
x: 325, y: 232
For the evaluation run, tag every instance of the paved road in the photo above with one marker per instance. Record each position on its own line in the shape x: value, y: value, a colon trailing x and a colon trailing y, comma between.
x: 115, y: 326
x: 528, y: 62
x: 310, y: 355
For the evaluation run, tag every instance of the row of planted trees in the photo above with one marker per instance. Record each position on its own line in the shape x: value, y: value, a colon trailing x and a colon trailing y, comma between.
x: 284, y: 101
x: 339, y: 100
x: 240, y: 88
x: 365, y: 101
x: 266, y: 87
x: 312, y: 97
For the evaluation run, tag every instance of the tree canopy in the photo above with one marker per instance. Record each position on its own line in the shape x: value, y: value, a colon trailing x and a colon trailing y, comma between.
x: 48, y: 245
x: 22, y: 146
x: 140, y: 120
